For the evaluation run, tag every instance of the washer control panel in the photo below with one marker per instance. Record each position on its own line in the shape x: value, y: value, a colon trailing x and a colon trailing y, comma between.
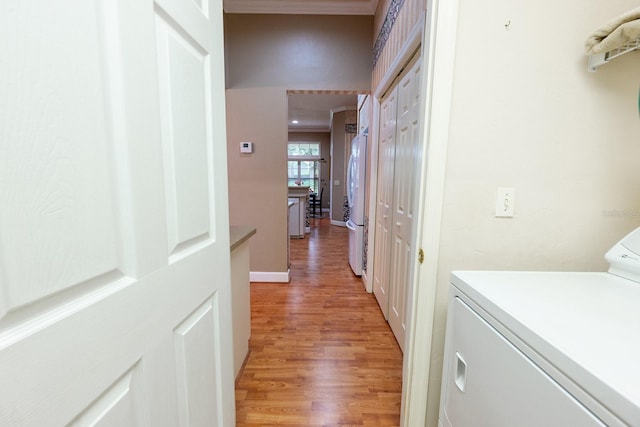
x: 624, y: 257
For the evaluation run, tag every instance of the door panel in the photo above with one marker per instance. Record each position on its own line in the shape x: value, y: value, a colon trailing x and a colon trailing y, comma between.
x: 183, y: 69
x: 121, y: 404
x: 397, y: 292
x: 195, y: 365
x: 73, y: 237
x: 114, y: 255
x: 404, y: 195
x: 384, y: 197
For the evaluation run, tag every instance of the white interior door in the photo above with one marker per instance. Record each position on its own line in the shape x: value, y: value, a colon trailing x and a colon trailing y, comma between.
x: 114, y: 255
x: 384, y: 199
x: 407, y: 158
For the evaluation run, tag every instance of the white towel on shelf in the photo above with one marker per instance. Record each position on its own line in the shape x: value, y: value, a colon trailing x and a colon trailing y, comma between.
x: 614, y: 34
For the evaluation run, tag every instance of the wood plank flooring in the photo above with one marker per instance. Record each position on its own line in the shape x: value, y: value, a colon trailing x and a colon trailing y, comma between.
x: 321, y: 353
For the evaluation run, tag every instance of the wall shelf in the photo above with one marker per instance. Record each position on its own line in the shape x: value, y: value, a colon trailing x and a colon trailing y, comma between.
x: 598, y: 59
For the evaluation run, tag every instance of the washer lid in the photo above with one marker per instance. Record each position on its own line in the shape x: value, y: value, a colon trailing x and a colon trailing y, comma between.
x: 624, y: 257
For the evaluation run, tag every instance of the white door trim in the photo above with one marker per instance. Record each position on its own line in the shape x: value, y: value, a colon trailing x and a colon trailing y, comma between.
x: 420, y: 402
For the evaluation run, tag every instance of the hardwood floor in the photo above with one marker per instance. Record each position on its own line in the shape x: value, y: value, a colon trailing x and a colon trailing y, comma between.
x: 321, y: 353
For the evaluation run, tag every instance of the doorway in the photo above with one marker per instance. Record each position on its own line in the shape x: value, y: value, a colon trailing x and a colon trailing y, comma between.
x: 312, y: 118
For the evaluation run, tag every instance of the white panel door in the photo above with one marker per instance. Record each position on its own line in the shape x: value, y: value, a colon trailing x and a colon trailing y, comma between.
x: 407, y: 158
x: 384, y: 199
x: 114, y: 243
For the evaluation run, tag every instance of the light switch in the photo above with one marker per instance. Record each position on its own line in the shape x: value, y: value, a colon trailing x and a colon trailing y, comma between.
x: 336, y: 182
x: 505, y: 201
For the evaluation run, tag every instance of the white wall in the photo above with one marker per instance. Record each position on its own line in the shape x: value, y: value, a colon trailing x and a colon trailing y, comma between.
x: 527, y: 114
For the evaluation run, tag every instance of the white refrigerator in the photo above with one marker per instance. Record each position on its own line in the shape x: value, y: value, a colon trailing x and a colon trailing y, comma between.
x: 356, y: 183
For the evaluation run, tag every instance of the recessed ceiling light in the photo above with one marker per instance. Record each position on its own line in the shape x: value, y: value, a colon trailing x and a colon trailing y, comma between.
x: 295, y: 122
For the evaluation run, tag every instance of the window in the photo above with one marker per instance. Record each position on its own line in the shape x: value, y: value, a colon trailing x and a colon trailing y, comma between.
x: 304, y: 164
x: 307, y: 150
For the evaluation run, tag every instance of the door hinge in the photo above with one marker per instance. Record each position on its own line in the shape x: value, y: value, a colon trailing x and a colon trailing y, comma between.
x: 420, y: 256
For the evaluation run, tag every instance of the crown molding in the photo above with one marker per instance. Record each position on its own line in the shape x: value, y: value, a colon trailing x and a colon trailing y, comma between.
x: 302, y: 7
x: 344, y: 108
x: 315, y: 129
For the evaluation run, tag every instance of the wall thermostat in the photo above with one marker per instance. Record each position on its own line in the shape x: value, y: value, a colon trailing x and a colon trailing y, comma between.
x: 246, y: 147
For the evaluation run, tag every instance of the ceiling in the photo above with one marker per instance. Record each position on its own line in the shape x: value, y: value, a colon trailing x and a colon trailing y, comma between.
x: 313, y: 111
x: 302, y: 7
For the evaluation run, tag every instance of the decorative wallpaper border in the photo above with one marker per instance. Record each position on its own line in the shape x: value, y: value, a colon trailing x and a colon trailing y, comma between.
x: 345, y: 209
x: 385, y: 31
x: 366, y: 243
x: 327, y: 92
x: 351, y: 128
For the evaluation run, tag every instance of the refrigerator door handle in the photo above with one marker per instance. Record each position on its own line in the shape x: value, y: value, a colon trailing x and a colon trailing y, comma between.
x: 350, y: 182
x: 351, y: 225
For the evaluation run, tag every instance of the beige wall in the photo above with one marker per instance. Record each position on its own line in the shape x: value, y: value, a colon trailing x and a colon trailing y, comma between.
x: 298, y: 51
x: 324, y: 138
x: 265, y: 56
x: 338, y: 162
x: 526, y: 113
x: 258, y: 181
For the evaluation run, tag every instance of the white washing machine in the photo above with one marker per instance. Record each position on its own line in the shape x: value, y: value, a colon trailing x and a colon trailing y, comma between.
x: 527, y: 349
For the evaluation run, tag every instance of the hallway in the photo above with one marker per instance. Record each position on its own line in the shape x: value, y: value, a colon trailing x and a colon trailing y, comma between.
x: 321, y: 354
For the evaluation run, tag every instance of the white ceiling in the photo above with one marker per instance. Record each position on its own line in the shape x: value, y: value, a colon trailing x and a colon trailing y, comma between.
x: 302, y: 7
x: 313, y: 111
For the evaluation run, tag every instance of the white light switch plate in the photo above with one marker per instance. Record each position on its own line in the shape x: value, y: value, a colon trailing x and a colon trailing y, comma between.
x: 505, y: 202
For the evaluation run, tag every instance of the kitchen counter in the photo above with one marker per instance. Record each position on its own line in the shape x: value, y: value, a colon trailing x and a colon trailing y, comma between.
x: 240, y: 293
x: 298, y: 191
x: 239, y: 234
x: 298, y: 221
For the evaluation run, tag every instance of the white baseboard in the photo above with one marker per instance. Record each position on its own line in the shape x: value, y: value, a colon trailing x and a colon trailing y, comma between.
x: 270, y: 276
x: 338, y: 223
x: 365, y: 281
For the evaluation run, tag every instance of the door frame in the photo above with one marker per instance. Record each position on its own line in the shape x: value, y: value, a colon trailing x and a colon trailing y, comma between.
x: 435, y: 35
x: 421, y: 385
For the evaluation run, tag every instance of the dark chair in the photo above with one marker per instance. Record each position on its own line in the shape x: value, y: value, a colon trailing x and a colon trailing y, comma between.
x: 316, y: 204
